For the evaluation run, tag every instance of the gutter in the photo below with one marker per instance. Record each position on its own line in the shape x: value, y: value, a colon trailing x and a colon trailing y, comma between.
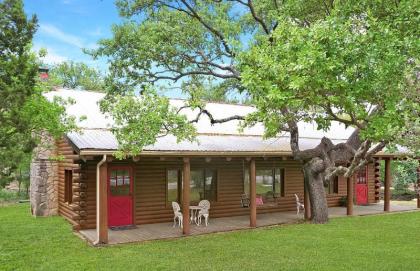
x: 191, y: 153
x: 220, y: 153
x: 98, y: 166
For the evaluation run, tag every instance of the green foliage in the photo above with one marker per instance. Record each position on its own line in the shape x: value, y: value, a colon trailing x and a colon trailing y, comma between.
x: 12, y: 196
x: 357, y: 68
x: 25, y: 114
x: 404, y: 173
x: 355, y: 62
x: 138, y: 121
x: 76, y: 75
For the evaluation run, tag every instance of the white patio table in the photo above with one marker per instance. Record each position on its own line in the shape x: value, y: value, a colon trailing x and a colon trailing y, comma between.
x: 193, y: 214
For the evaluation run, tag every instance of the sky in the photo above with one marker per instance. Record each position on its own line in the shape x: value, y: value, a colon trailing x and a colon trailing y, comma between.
x: 67, y: 26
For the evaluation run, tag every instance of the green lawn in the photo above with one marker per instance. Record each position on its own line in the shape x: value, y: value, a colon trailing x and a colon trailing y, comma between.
x: 386, y: 242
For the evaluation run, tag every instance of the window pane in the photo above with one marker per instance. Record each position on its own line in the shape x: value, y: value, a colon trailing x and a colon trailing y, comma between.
x: 120, y: 180
x: 210, y: 185
x: 120, y: 183
x: 361, y: 176
x: 127, y: 177
x: 335, y: 186
x: 264, y: 181
x: 332, y: 186
x: 197, y: 185
x: 277, y: 182
x: 173, y: 185
x: 327, y: 188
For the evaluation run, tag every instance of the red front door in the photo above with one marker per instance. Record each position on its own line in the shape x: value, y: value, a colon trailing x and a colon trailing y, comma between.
x: 120, y: 196
x: 362, y: 187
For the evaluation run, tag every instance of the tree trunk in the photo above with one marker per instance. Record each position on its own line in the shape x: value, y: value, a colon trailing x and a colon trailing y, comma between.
x: 315, y: 180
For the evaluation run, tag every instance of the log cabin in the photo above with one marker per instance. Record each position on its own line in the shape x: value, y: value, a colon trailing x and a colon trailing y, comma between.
x: 92, y: 189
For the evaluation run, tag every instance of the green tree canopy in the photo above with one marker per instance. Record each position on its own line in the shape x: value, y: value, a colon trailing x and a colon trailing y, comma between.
x: 355, y: 62
x: 25, y: 114
x: 75, y: 75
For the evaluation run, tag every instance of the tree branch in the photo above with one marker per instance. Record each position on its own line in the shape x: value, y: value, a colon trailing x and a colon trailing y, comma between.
x: 213, y: 120
x: 256, y: 18
x: 216, y: 32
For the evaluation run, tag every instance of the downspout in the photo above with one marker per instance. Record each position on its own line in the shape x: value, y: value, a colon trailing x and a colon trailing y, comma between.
x: 98, y: 178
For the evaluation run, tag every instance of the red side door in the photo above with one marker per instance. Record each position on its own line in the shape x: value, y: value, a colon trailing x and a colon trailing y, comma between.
x: 362, y: 187
x: 120, y: 196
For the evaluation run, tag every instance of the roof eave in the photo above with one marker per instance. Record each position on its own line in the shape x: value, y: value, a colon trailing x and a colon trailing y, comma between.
x: 192, y: 153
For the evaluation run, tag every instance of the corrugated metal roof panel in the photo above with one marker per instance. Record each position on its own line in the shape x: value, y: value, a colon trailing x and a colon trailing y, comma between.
x: 105, y: 140
x: 86, y: 105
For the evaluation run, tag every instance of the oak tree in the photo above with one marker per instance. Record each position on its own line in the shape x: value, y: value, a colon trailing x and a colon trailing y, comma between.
x: 316, y: 61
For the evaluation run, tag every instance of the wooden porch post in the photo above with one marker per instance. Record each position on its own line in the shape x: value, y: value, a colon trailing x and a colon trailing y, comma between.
x: 179, y: 184
x: 387, y: 184
x: 102, y: 210
x: 253, y: 194
x: 350, y: 192
x: 306, y: 201
x: 186, y: 197
x: 418, y: 186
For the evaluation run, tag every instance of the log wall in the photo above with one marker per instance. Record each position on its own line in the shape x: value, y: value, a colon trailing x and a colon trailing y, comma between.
x: 150, y: 184
x: 74, y: 212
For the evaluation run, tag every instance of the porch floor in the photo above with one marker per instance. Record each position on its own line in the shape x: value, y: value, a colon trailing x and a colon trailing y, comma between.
x: 157, y: 231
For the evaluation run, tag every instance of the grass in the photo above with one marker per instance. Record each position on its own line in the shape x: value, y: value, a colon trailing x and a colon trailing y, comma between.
x: 382, y: 242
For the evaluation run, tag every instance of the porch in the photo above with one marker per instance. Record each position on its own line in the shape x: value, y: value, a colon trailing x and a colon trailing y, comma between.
x: 148, y: 232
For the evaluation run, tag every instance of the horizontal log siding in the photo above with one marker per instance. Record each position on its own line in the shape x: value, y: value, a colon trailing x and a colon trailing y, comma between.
x: 151, y: 206
x: 68, y: 211
x: 371, y: 183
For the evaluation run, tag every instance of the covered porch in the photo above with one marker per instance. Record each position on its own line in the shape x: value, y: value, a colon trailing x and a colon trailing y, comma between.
x: 151, y: 230
x: 158, y: 231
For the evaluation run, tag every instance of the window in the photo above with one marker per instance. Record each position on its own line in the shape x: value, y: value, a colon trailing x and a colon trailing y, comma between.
x: 362, y: 176
x: 119, y: 182
x: 269, y: 181
x: 174, y: 185
x: 332, y: 186
x: 203, y: 185
x: 68, y: 186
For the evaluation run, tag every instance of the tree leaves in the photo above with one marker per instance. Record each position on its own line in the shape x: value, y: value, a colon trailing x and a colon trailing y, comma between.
x: 25, y: 114
x: 139, y: 121
x: 76, y: 75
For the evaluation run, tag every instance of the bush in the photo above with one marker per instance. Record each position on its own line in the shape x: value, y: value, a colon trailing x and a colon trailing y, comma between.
x: 12, y: 196
x: 403, y: 195
x: 404, y: 173
x: 343, y: 201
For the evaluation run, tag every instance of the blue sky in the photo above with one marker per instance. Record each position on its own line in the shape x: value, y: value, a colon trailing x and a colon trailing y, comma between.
x: 67, y: 26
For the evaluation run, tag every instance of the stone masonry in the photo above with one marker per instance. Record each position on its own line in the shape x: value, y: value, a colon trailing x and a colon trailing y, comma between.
x: 44, y: 181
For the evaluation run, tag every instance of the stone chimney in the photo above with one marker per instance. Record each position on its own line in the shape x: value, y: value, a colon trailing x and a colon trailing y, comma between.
x: 43, y: 73
x: 44, y: 180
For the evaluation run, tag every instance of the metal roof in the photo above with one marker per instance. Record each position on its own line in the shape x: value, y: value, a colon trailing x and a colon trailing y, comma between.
x: 105, y: 140
x: 86, y: 105
x: 96, y: 136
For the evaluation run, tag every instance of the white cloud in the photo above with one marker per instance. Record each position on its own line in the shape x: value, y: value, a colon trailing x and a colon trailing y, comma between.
x: 96, y: 33
x: 56, y: 33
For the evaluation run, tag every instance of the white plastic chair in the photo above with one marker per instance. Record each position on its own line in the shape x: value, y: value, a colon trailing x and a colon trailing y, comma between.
x: 299, y: 205
x: 204, y: 212
x: 177, y: 214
